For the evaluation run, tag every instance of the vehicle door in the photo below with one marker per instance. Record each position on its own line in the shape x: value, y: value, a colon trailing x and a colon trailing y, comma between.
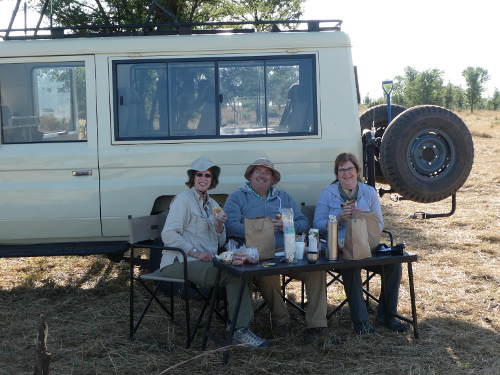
x: 49, y: 179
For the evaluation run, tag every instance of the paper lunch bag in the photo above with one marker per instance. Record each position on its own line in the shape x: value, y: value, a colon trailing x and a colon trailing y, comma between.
x: 372, y: 227
x: 259, y: 233
x: 356, y: 244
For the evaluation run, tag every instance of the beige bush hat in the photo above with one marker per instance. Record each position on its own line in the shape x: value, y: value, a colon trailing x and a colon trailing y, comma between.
x: 263, y: 163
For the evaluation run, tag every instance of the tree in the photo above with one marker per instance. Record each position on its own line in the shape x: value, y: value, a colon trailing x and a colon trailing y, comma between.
x: 402, y: 86
x: 415, y: 88
x: 495, y: 101
x: 252, y: 10
x: 431, y: 85
x: 449, y: 91
x: 367, y: 99
x: 475, y: 78
x: 453, y: 96
x: 460, y: 97
x: 127, y: 12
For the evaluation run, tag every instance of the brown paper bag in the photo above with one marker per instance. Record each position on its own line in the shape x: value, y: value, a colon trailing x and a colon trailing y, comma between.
x: 259, y: 233
x: 356, y: 245
x: 372, y: 227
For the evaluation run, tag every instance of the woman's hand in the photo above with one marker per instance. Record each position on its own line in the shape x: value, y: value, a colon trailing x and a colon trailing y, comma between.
x: 347, y: 212
x: 220, y: 219
x: 204, y: 256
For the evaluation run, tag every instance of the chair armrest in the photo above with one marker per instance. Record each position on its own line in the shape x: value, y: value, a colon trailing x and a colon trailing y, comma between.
x: 170, y: 248
x: 390, y: 236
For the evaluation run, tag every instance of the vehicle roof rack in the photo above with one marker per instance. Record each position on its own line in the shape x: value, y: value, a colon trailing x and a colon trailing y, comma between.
x: 173, y: 27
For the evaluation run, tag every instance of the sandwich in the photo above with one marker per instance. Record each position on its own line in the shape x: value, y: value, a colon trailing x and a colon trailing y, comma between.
x: 348, y: 203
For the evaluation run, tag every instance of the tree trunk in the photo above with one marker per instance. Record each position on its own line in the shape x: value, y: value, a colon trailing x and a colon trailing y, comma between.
x: 42, y: 356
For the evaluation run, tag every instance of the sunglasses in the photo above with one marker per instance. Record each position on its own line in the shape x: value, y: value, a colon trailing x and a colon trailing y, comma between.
x: 207, y: 175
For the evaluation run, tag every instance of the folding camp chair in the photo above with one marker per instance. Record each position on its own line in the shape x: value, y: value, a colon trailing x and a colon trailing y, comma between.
x: 143, y: 231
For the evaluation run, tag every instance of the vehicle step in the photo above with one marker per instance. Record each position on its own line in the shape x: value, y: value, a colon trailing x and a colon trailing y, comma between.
x: 62, y: 249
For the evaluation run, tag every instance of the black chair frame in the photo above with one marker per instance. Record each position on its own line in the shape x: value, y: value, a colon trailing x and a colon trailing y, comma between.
x: 159, y: 279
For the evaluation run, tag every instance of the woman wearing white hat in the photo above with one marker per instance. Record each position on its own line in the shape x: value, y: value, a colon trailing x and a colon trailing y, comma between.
x: 193, y: 226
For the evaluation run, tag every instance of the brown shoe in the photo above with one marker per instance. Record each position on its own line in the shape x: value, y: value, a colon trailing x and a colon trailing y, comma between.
x: 313, y: 334
x: 280, y: 331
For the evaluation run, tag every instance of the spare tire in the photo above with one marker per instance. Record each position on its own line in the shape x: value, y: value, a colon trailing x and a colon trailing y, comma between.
x: 378, y: 117
x: 426, y: 154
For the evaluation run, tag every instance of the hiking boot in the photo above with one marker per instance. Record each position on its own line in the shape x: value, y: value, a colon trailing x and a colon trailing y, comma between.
x: 313, y: 334
x: 394, y: 324
x: 280, y: 331
x: 244, y: 336
x: 362, y: 328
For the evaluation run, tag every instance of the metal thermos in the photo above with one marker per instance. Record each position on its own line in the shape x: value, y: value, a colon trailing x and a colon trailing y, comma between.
x: 332, y: 249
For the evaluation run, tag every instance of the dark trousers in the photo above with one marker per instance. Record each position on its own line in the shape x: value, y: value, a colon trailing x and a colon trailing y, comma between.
x: 354, y: 291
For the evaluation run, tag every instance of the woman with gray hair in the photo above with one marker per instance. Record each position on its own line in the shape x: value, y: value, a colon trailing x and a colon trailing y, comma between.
x: 333, y: 200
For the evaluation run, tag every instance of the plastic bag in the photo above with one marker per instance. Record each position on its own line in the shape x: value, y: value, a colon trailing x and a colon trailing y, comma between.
x: 252, y: 255
x: 242, y: 254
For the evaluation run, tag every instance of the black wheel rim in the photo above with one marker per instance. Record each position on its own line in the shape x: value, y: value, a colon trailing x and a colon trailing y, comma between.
x: 430, y: 154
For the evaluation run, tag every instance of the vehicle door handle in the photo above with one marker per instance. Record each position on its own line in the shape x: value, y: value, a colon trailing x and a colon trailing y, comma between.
x: 82, y: 173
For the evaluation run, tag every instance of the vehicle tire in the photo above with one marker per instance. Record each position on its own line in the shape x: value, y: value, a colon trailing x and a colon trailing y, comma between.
x: 426, y: 154
x: 377, y: 115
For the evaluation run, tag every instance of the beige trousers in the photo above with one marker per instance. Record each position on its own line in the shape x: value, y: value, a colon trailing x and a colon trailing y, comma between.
x: 315, y: 282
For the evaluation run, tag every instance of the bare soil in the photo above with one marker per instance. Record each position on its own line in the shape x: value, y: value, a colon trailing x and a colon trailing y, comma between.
x: 457, y: 281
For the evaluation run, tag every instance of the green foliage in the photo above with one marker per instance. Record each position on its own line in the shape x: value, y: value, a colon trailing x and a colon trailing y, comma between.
x: 426, y: 87
x: 414, y: 87
x: 373, y: 103
x: 475, y: 78
x: 127, y: 12
x: 50, y: 123
x: 252, y: 10
x: 495, y: 100
x: 367, y: 100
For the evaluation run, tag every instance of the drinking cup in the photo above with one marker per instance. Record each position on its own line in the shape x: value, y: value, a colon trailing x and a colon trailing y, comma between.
x: 312, y: 256
x: 299, y: 250
x: 341, y: 243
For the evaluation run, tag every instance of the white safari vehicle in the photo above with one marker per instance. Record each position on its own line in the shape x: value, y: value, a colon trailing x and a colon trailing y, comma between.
x: 94, y: 129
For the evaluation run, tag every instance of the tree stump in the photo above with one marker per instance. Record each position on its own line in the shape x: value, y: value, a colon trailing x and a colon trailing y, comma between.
x: 42, y: 356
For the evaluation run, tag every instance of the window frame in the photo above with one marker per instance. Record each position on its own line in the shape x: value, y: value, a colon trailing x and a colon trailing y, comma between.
x: 33, y: 90
x: 266, y: 59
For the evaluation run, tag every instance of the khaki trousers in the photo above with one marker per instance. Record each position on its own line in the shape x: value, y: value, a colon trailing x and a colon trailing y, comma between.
x: 204, y: 274
x: 270, y: 288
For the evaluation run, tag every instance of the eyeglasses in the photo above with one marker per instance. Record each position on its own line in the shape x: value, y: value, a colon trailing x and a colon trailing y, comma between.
x: 207, y: 175
x: 345, y: 170
x: 265, y: 173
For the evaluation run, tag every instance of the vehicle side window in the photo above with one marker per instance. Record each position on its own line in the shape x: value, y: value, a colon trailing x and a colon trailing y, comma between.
x: 43, y: 102
x: 220, y: 98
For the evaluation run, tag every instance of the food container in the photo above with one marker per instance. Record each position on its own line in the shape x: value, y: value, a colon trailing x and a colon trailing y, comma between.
x: 313, y: 239
x: 312, y: 256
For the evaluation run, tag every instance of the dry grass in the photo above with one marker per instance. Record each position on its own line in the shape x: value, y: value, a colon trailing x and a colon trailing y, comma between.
x: 85, y: 300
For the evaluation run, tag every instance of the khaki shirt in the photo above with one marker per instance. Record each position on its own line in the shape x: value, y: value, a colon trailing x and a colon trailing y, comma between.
x: 189, y: 225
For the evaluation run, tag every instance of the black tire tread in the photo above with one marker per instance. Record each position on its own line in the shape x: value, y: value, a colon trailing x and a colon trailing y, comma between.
x: 393, y: 160
x: 378, y: 114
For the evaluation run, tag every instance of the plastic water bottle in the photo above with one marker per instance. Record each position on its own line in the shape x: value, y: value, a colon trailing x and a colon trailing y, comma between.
x: 332, y: 250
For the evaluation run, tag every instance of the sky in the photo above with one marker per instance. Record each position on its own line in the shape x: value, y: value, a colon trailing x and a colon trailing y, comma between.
x: 389, y: 35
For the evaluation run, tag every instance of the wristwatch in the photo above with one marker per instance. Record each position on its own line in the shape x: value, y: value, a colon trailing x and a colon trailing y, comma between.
x: 194, y: 251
